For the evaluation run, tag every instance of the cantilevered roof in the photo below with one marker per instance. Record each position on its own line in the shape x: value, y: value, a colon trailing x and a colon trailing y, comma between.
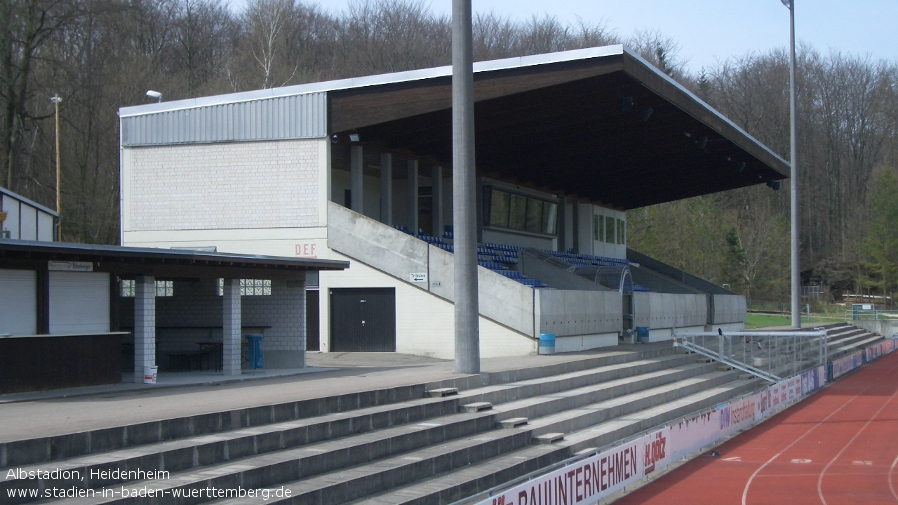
x: 161, y: 263
x: 600, y: 124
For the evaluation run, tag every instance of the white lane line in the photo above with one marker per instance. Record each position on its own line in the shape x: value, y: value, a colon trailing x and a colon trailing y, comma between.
x: 756, y: 472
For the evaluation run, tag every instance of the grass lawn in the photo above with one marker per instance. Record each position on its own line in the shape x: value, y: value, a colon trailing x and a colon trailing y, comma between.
x: 753, y: 321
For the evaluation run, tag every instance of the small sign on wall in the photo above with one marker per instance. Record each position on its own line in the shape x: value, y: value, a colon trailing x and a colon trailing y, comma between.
x: 70, y: 266
x: 417, y: 277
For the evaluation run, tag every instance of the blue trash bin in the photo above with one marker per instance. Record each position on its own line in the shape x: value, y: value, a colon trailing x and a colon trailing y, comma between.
x: 546, y: 343
x: 254, y: 349
x: 642, y: 334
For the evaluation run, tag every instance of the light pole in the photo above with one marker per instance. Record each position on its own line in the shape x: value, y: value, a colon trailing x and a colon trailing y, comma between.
x: 464, y: 220
x: 155, y: 94
x: 56, y: 100
x: 793, y: 175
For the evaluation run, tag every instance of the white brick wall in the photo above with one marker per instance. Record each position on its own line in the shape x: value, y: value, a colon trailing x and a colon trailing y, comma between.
x: 224, y: 186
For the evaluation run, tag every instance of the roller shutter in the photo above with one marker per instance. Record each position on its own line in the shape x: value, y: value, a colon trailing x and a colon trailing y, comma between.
x: 79, y: 302
x: 18, y: 302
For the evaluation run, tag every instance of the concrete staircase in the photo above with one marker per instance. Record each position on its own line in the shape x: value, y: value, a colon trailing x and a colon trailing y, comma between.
x: 843, y: 339
x: 402, y: 445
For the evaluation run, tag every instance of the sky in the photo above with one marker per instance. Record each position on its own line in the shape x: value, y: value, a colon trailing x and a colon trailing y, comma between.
x: 709, y: 31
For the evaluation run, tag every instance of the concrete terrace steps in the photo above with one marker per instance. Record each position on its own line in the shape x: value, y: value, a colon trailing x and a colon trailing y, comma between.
x: 55, y: 448
x: 185, y: 453
x: 845, y: 339
x: 467, y: 481
x: 363, y: 480
x: 311, y: 460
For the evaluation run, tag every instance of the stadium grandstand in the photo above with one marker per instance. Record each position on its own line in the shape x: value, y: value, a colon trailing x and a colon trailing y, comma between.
x: 360, y: 170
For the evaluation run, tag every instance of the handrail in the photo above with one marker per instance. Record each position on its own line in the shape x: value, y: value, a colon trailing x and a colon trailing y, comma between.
x: 735, y: 364
x: 775, y: 350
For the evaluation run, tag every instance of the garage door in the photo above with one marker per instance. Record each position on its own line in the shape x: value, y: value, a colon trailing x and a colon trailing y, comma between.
x: 79, y: 302
x: 363, y: 319
x: 18, y: 302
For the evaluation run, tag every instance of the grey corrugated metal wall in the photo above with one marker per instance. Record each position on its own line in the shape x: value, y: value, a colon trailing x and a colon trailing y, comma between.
x: 277, y: 118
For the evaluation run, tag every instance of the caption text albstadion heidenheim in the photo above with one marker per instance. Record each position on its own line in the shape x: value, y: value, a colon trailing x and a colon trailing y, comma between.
x: 72, y: 490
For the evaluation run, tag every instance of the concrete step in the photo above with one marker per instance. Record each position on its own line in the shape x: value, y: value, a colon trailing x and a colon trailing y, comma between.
x: 187, y: 453
x: 461, y: 434
x: 364, y: 480
x: 856, y: 345
x: 45, y: 449
x: 465, y: 482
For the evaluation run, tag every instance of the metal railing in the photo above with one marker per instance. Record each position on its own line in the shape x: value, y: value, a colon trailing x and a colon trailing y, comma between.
x: 769, y: 355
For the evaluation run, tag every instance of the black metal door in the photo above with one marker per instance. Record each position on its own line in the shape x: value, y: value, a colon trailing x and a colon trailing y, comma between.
x: 312, y: 339
x: 363, y: 319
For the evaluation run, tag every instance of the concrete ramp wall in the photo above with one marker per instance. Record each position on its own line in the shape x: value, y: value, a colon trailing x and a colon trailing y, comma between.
x: 579, y: 319
x: 662, y: 312
x: 398, y: 254
x: 727, y: 309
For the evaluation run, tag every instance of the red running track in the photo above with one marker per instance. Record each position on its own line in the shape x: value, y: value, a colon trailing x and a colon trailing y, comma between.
x: 839, y: 446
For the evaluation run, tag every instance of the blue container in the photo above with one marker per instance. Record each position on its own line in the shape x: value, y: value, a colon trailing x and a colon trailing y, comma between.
x: 546, y: 343
x: 642, y: 334
x: 254, y: 349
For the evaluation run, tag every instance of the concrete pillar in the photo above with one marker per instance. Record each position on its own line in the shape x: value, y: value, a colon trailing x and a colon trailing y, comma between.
x: 357, y: 176
x: 464, y: 193
x: 386, y: 189
x: 436, y: 175
x: 231, y: 326
x: 144, y: 325
x: 413, y: 196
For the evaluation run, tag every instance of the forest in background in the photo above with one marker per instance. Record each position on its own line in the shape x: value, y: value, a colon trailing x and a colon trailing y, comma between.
x: 100, y: 55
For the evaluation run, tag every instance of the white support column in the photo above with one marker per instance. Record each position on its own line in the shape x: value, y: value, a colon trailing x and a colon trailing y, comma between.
x: 413, y: 196
x: 144, y: 325
x: 436, y: 175
x: 231, y: 326
x: 386, y: 189
x: 357, y: 176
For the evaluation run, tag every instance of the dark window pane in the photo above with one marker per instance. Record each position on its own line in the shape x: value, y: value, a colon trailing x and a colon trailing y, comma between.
x: 609, y: 229
x: 518, y: 215
x: 534, y: 215
x: 499, y: 209
x: 550, y: 211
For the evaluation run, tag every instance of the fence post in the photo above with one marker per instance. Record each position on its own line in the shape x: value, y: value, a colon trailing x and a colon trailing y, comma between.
x: 720, y: 346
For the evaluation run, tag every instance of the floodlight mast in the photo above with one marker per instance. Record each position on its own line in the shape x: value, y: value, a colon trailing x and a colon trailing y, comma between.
x: 464, y: 203
x: 793, y: 174
x: 55, y: 100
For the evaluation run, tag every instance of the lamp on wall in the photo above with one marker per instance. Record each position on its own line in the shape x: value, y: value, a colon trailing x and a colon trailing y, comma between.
x: 354, y: 137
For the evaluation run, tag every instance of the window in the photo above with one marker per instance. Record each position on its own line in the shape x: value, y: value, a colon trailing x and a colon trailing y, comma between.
x: 518, y: 217
x: 534, y: 215
x: 163, y: 288
x: 519, y: 212
x: 499, y: 209
x: 621, y: 231
x: 249, y: 287
x: 609, y: 229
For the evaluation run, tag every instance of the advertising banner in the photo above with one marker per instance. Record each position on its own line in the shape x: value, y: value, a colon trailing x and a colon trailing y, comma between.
x: 598, y: 476
x: 846, y: 364
x: 587, y: 480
